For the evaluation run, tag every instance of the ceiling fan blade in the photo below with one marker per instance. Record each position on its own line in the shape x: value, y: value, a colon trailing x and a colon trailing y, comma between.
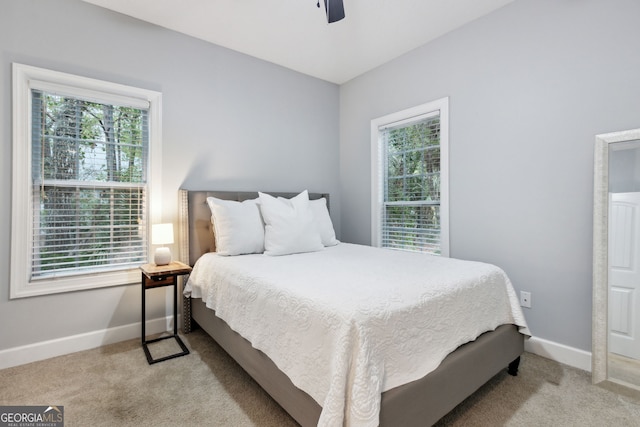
x: 334, y: 9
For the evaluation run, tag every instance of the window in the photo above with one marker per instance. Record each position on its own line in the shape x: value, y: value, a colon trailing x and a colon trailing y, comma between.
x: 410, y: 179
x: 84, y: 154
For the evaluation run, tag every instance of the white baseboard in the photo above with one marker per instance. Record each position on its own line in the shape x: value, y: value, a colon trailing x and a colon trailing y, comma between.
x: 61, y: 346
x: 559, y: 352
x: 44, y: 350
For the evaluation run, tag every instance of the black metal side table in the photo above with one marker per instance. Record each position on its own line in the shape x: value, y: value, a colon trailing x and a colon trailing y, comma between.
x: 155, y: 276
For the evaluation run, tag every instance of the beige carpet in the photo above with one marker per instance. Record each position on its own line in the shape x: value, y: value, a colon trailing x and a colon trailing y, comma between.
x: 114, y: 386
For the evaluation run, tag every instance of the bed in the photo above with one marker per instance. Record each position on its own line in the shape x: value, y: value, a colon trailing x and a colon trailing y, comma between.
x: 406, y: 399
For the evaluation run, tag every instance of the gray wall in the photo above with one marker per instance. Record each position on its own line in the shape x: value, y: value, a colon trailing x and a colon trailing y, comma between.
x: 624, y: 167
x: 529, y: 87
x: 229, y: 122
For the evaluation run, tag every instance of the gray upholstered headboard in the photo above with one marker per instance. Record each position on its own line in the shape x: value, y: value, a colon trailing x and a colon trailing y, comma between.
x: 196, y: 230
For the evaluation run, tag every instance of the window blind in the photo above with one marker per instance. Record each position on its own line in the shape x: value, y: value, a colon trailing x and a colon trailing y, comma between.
x: 89, y: 185
x: 411, y: 184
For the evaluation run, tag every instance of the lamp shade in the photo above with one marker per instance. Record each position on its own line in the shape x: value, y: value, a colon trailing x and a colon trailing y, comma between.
x: 162, y: 234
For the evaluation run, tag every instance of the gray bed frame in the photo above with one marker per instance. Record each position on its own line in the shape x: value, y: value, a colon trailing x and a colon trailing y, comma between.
x: 419, y: 403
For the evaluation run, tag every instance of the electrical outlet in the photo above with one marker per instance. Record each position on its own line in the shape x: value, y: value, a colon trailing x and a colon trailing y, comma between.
x: 525, y: 299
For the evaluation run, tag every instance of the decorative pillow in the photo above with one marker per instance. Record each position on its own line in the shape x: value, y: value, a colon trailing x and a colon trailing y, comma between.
x: 323, y: 221
x: 238, y: 226
x: 289, y: 225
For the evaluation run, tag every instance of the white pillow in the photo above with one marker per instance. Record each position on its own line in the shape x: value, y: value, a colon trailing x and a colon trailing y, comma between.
x: 323, y: 221
x: 238, y: 226
x: 289, y: 225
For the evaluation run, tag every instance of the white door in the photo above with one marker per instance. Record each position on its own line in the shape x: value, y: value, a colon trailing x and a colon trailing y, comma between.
x: 624, y: 274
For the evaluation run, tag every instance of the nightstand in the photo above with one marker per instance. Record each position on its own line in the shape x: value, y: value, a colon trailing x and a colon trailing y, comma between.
x: 155, y: 276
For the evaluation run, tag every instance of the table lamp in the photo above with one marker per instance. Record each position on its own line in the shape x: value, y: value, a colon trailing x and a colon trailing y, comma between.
x: 162, y: 234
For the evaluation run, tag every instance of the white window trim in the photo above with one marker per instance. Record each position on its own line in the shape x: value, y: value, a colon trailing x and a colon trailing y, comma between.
x: 377, y: 186
x: 25, y: 78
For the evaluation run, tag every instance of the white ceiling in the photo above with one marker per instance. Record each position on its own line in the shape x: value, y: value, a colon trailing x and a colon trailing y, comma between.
x: 295, y: 33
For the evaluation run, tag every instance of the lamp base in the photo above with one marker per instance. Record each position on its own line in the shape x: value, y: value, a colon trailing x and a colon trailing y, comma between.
x: 162, y: 256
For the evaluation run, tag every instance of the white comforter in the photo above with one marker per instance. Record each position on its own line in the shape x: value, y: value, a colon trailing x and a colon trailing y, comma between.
x: 349, y: 322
